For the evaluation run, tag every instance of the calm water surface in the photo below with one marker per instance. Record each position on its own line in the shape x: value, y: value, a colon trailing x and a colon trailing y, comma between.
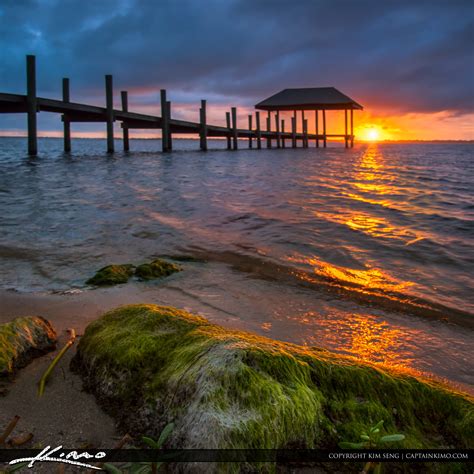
x: 366, y: 251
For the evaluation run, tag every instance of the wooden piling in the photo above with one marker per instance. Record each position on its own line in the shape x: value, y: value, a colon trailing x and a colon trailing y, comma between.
x: 168, y: 116
x: 293, y: 130
x: 203, y: 128
x: 316, y: 117
x: 346, y: 140
x: 229, y: 141
x: 277, y: 126
x: 259, y: 133
x: 305, y: 133
x: 302, y: 129
x: 126, y: 142
x: 31, y: 104
x: 234, y: 127
x: 324, y: 129
x: 250, y: 131
x: 109, y: 101
x: 269, y: 127
x: 283, y: 144
x: 164, y: 121
x: 66, y: 123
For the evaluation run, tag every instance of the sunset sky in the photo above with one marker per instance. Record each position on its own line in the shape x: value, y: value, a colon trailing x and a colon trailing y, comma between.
x: 411, y: 64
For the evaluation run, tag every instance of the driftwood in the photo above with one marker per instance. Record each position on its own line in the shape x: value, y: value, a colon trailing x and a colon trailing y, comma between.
x: 8, y: 430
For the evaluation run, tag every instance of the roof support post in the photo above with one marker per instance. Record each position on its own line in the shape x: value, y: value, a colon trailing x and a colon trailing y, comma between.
x: 259, y: 133
x: 269, y: 126
x: 324, y: 129
x: 316, y: 116
x: 302, y: 129
x: 352, y: 128
x: 293, y: 130
x: 277, y: 127
x: 346, y: 138
x: 305, y: 133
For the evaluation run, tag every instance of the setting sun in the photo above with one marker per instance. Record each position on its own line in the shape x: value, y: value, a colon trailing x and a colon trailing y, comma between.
x: 373, y: 134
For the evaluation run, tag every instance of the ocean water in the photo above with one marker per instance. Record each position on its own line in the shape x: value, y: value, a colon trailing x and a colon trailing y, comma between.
x: 367, y: 251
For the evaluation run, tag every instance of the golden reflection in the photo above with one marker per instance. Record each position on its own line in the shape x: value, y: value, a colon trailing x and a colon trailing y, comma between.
x: 372, y: 178
x: 365, y: 337
x: 371, y: 225
x: 372, y: 175
x: 369, y: 278
x: 376, y: 341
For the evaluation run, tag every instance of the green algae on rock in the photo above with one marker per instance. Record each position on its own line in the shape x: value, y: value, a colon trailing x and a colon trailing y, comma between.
x: 156, y: 269
x: 112, y: 275
x: 23, y: 339
x: 149, y: 365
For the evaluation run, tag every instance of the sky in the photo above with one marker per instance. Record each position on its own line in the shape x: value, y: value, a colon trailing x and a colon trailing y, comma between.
x: 409, y: 63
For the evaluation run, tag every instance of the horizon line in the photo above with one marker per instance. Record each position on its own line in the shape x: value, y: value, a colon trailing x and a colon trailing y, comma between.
x: 447, y: 140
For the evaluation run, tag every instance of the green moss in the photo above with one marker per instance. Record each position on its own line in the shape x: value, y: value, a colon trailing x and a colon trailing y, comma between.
x: 229, y: 389
x: 156, y: 269
x: 112, y: 275
x: 21, y: 340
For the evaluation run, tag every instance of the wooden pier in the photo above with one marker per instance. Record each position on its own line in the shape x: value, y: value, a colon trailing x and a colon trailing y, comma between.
x: 72, y: 112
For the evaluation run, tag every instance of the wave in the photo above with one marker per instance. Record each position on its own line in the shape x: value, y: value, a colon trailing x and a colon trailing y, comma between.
x: 329, y: 285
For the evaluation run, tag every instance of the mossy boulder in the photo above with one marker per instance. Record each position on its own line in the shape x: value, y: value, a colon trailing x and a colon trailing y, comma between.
x: 156, y: 269
x: 112, y: 275
x: 150, y: 365
x: 23, y: 339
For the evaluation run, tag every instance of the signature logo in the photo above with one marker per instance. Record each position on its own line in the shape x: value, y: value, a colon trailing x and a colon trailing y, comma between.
x: 69, y: 458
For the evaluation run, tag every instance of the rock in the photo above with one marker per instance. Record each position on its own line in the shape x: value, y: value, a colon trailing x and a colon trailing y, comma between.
x: 112, y: 275
x: 149, y: 365
x: 23, y: 339
x: 156, y: 269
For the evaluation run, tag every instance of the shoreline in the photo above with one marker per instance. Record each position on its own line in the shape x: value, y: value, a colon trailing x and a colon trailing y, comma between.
x: 65, y: 310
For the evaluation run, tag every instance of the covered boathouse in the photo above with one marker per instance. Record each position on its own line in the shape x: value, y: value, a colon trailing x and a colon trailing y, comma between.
x: 312, y: 99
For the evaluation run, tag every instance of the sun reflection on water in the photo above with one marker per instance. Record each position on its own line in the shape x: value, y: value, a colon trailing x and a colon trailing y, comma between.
x: 365, y: 337
x: 369, y: 278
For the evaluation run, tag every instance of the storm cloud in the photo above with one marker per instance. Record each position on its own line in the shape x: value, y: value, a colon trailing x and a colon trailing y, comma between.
x: 392, y: 56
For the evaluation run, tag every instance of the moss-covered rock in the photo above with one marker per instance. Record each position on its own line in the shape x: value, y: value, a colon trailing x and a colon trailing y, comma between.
x: 23, y: 339
x: 156, y: 269
x: 150, y: 365
x: 112, y: 275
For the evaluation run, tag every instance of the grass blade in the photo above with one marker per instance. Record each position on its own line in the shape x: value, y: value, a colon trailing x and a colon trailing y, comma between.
x: 49, y: 370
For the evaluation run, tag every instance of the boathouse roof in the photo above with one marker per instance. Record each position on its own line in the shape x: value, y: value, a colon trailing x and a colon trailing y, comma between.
x: 309, y: 98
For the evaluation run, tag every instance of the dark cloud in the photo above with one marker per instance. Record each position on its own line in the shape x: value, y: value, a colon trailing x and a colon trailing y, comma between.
x: 393, y: 56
